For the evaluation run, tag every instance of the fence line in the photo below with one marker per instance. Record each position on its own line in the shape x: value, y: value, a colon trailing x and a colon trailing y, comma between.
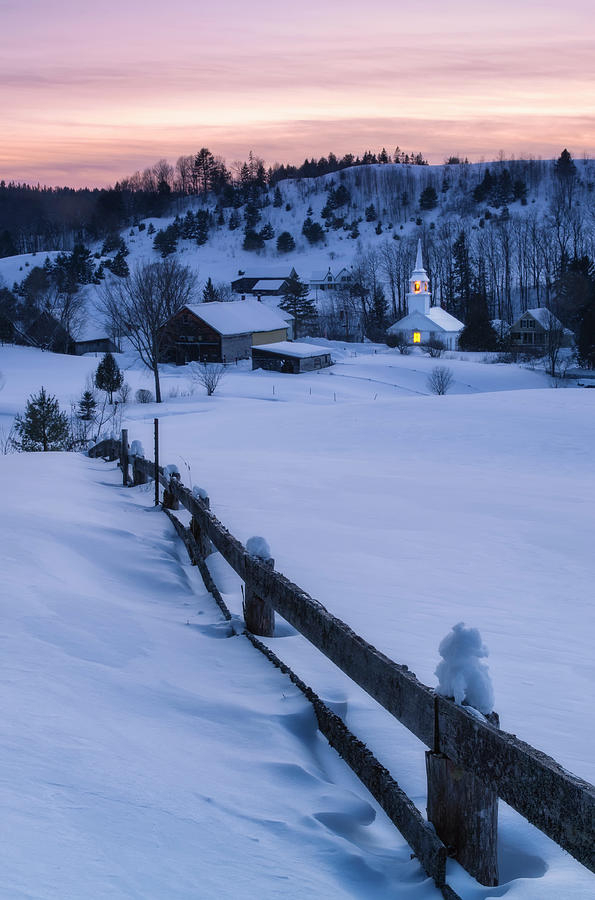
x: 555, y: 801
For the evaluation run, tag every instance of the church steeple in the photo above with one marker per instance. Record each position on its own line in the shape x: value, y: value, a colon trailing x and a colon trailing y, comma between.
x: 419, y: 298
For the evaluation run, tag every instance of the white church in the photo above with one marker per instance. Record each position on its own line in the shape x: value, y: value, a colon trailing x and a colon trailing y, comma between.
x: 424, y: 321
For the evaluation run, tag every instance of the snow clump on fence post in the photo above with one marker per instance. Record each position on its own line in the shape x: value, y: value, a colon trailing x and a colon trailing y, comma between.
x: 461, y: 673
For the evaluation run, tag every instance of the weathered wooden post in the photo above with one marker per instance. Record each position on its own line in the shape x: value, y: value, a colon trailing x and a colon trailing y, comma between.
x: 170, y: 501
x: 124, y: 456
x: 464, y: 812
x: 156, y: 473
x: 139, y: 476
x: 199, y: 534
x: 259, y: 614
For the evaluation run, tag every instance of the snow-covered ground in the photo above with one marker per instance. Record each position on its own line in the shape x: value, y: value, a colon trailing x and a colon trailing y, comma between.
x: 403, y: 512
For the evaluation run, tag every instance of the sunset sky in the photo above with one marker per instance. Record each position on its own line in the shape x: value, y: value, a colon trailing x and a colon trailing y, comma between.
x: 90, y: 94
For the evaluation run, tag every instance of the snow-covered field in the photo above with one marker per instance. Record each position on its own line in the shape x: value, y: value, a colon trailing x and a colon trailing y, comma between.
x: 402, y: 512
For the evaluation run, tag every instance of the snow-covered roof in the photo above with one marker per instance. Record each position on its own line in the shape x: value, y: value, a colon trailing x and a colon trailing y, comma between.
x: 265, y: 284
x: 291, y: 348
x: 444, y: 319
x: 435, y: 319
x: 239, y: 316
x: 544, y: 316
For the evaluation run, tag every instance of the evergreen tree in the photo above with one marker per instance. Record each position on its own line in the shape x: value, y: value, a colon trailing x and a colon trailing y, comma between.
x: 108, y: 376
x: 585, y: 342
x: 202, y: 227
x: 267, y: 232
x: 87, y: 405
x: 209, y: 294
x: 253, y: 240
x: 462, y: 275
x: 428, y: 199
x: 371, y: 214
x: 378, y: 228
x: 43, y: 427
x: 285, y: 242
x: 165, y: 241
x: 478, y: 333
x: 297, y: 302
x: 119, y: 266
x: 277, y: 198
x: 234, y: 221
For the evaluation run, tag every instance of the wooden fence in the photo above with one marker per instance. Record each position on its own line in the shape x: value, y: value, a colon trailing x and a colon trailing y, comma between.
x: 470, y: 762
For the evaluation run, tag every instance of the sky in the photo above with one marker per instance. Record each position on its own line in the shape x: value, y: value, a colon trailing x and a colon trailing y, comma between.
x: 90, y: 95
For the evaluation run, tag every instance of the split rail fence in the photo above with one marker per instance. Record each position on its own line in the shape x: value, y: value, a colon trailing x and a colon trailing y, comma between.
x: 469, y: 763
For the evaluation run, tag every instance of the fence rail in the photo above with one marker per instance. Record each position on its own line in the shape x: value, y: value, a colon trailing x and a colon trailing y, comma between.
x: 557, y: 802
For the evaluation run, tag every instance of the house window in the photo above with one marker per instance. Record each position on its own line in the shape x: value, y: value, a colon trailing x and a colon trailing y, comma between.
x: 417, y: 337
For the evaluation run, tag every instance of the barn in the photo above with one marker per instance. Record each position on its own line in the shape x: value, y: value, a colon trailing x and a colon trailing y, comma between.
x: 219, y: 332
x: 290, y: 357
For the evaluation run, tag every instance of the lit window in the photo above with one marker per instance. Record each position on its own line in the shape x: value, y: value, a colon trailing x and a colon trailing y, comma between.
x: 425, y: 285
x: 417, y: 337
x: 417, y: 286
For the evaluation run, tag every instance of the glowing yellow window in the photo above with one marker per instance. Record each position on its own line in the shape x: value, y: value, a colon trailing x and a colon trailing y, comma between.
x: 417, y: 286
x: 417, y: 337
x: 425, y: 285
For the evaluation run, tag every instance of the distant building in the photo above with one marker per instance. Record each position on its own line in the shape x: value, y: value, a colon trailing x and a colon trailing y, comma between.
x: 423, y: 321
x: 261, y: 285
x: 290, y: 357
x: 530, y: 330
x: 326, y: 281
x: 220, y: 332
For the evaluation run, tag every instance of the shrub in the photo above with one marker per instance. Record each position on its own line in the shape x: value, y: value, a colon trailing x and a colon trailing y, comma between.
x: 144, y: 395
x: 209, y: 375
x: 434, y: 347
x: 440, y: 380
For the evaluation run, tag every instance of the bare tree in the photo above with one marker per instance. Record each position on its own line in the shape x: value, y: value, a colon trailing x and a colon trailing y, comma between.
x: 209, y: 375
x: 440, y: 380
x: 140, y: 304
x: 554, y: 341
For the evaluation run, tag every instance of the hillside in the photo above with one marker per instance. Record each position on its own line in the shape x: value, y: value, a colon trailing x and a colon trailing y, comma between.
x: 402, y: 512
x: 478, y: 237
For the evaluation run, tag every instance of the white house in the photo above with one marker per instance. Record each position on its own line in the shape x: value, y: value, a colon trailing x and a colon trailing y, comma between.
x: 424, y: 321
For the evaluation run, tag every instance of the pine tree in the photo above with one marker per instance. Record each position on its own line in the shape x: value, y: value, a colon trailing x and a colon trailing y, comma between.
x: 209, y: 294
x: 43, y: 427
x: 108, y: 376
x: 277, y: 198
x: 119, y: 265
x: 371, y: 214
x: 87, y: 405
x: 428, y: 198
x: 285, y: 242
x: 478, y: 333
x: 297, y: 302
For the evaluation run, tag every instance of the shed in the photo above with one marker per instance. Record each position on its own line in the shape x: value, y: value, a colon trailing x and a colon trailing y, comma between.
x: 219, y: 332
x: 291, y: 357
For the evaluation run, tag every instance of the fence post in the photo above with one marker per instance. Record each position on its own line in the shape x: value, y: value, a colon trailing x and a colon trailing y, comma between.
x: 156, y: 473
x: 170, y: 501
x: 259, y: 614
x: 199, y: 534
x: 138, y: 475
x: 464, y: 812
x: 124, y: 456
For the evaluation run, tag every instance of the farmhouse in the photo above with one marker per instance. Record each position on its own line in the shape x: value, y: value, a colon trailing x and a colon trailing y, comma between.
x: 219, y: 332
x: 290, y: 357
x: 326, y: 281
x: 424, y: 321
x: 533, y: 328
x: 261, y: 285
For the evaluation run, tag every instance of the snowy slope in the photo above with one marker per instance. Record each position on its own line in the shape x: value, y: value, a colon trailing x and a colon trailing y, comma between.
x: 143, y: 753
x: 403, y: 513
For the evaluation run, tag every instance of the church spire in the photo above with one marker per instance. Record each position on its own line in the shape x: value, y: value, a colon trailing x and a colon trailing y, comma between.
x: 419, y: 265
x: 419, y: 298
